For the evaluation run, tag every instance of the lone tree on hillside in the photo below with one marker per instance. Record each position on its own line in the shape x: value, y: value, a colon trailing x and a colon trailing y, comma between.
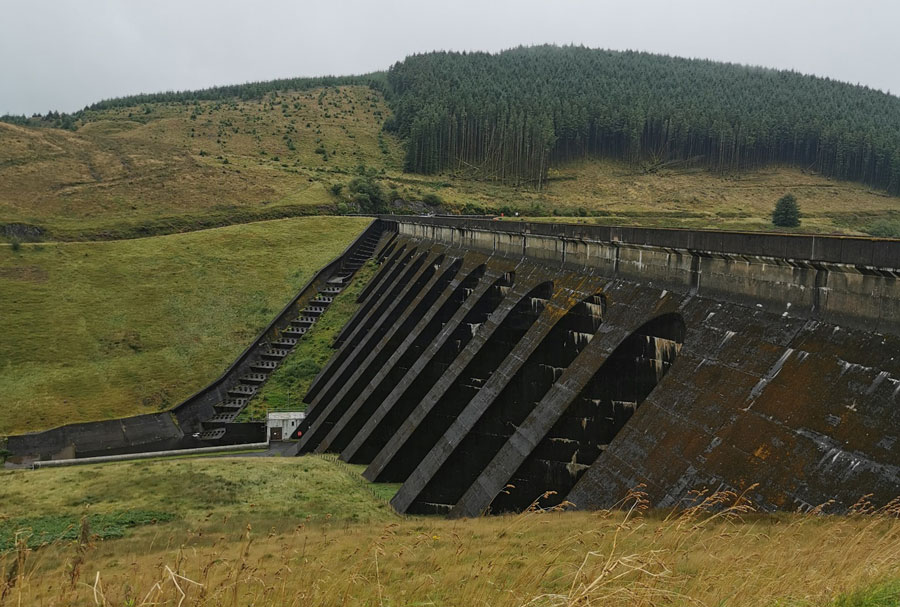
x: 786, y: 213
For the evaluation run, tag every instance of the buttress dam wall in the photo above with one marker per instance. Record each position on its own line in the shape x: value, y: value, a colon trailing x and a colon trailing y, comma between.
x: 494, y: 365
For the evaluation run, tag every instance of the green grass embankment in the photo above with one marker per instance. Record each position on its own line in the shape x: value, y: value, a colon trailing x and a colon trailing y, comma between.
x: 109, y: 329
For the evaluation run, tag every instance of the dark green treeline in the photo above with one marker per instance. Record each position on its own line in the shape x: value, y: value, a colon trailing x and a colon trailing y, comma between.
x: 510, y: 116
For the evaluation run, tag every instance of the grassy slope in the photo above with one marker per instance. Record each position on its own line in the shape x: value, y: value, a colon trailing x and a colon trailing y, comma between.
x: 616, y: 193
x: 127, y: 166
x: 317, y: 536
x: 127, y: 170
x: 280, y: 491
x: 108, y: 329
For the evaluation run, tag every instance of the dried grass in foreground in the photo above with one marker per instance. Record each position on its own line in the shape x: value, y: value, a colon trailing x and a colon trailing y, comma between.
x: 713, y: 551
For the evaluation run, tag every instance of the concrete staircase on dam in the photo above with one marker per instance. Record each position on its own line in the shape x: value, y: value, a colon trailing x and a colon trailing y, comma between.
x: 270, y: 353
x: 496, y: 366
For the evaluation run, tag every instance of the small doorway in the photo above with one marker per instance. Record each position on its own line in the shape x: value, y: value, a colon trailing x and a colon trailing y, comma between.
x: 275, y: 434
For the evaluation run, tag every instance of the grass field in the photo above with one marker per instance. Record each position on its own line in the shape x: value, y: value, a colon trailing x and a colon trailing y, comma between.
x: 614, y: 193
x: 310, y: 531
x: 163, y: 168
x: 109, y: 329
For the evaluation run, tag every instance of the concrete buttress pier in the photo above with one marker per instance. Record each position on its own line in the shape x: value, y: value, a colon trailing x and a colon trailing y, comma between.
x: 495, y: 365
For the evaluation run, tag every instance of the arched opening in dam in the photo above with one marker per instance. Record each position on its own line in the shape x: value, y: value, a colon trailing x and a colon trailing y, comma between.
x: 452, y: 400
x: 543, y: 367
x: 384, y: 425
x: 359, y: 450
x: 595, y: 416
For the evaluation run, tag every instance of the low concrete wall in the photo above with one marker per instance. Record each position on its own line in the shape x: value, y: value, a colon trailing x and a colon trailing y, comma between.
x: 114, y: 434
x: 56, y: 463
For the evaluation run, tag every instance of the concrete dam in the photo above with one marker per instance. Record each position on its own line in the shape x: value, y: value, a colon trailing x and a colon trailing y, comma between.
x: 495, y: 365
x: 492, y: 366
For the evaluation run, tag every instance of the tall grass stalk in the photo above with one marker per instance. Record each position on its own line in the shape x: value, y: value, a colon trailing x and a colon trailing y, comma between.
x: 716, y: 551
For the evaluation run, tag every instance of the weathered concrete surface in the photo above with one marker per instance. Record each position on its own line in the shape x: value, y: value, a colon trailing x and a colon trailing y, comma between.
x: 427, y: 303
x: 838, y: 279
x: 502, y: 402
x: 809, y: 410
x: 394, y: 302
x: 722, y: 361
x: 401, y: 387
x: 491, y: 342
x: 575, y: 420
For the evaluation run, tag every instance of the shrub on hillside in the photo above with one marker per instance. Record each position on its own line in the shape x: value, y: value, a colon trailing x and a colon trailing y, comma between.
x: 786, y: 213
x: 884, y: 228
x: 367, y: 193
x: 432, y: 200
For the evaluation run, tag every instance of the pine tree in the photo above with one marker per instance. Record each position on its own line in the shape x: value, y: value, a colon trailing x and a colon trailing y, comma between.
x: 509, y: 116
x: 786, y: 213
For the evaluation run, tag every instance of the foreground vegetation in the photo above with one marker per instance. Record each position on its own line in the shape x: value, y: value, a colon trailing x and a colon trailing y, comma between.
x: 308, y: 531
x: 109, y: 329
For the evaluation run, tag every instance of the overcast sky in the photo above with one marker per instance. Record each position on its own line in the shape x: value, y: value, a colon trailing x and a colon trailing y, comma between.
x: 65, y: 54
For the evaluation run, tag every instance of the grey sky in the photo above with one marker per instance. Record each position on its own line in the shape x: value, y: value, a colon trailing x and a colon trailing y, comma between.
x: 65, y: 54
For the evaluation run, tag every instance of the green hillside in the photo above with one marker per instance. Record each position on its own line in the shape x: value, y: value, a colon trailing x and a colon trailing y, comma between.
x: 128, y: 172
x: 109, y: 329
x: 167, y: 167
x: 628, y: 138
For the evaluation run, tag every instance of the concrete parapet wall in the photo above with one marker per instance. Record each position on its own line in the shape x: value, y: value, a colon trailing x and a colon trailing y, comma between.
x: 840, y: 279
x: 851, y: 250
